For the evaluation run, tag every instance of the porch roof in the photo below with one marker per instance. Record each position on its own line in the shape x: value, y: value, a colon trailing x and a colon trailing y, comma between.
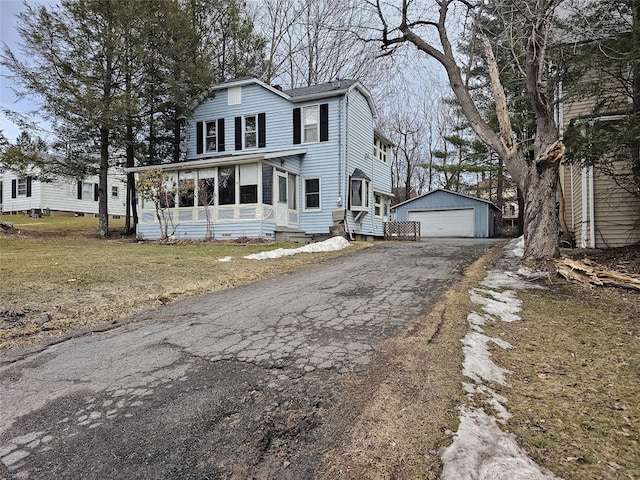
x: 232, y: 159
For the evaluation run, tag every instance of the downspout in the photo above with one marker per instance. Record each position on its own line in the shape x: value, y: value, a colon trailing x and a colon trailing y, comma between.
x: 345, y: 200
x: 583, y: 191
x: 341, y: 197
x: 573, y: 202
x: 592, y: 227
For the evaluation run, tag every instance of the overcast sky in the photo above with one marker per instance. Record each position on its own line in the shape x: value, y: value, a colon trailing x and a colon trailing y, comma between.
x: 8, y: 35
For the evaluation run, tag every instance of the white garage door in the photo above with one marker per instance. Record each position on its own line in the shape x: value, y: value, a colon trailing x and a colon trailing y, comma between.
x: 444, y: 223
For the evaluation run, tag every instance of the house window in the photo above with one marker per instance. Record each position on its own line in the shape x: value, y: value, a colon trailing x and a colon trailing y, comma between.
x: 311, y: 124
x: 250, y: 131
x: 249, y: 183
x: 114, y: 191
x: 359, y: 194
x: 378, y: 205
x: 186, y: 192
x: 312, y: 194
x: 380, y: 150
x: 87, y: 190
x: 19, y: 187
x: 292, y: 200
x: 206, y: 191
x: 282, y: 189
x: 226, y: 185
x: 267, y: 184
x: 211, y: 138
x: 22, y: 187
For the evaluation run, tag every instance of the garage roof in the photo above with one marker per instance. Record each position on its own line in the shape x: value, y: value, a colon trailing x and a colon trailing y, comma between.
x: 450, y: 192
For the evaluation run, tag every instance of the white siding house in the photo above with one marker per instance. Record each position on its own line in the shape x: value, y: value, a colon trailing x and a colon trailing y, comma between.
x: 265, y: 163
x: 62, y: 195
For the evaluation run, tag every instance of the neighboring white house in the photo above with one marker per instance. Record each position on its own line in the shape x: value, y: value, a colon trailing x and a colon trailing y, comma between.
x: 60, y: 196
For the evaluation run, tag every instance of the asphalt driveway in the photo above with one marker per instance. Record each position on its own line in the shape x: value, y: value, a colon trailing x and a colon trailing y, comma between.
x: 236, y: 384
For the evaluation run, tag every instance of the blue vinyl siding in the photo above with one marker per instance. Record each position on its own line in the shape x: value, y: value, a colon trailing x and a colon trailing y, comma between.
x: 360, y: 139
x: 221, y: 230
x: 255, y: 99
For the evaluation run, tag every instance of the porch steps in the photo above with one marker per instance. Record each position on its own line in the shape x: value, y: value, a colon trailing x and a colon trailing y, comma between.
x: 284, y: 234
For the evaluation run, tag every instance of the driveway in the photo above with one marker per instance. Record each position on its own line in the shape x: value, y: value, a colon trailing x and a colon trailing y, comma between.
x: 237, y: 384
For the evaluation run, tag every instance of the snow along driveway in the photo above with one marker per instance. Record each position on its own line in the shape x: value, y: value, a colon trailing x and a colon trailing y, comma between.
x: 481, y: 450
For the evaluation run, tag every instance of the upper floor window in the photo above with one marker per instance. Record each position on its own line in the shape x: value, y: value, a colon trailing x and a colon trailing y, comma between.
x: 380, y: 148
x: 250, y: 131
x: 210, y: 136
x: 311, y: 124
x: 114, y: 191
x: 211, y: 139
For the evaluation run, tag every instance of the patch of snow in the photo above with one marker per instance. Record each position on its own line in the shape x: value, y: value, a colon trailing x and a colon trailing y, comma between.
x: 501, y: 279
x: 506, y: 310
x: 331, y: 245
x: 476, y: 320
x: 225, y: 259
x: 516, y: 248
x: 477, y: 364
x: 480, y: 450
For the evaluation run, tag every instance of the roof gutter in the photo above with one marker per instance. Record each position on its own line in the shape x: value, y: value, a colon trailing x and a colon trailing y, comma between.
x: 220, y: 160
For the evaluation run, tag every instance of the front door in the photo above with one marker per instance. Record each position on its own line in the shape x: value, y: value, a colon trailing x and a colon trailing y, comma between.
x: 281, y: 194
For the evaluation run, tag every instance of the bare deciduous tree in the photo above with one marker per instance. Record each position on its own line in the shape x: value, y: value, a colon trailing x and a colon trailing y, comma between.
x: 431, y: 29
x: 314, y: 41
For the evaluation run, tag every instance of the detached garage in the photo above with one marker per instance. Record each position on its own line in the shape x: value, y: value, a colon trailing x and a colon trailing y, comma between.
x: 443, y: 213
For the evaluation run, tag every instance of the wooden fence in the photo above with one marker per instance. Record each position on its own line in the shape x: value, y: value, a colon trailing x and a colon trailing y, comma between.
x: 402, y: 231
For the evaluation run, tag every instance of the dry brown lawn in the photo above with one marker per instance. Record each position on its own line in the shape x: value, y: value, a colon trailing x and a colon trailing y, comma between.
x: 56, y: 267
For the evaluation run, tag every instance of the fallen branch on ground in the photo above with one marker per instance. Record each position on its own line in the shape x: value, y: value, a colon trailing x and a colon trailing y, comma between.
x: 590, y: 274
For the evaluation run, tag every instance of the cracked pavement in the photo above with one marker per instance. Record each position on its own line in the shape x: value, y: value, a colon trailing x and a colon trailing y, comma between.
x: 211, y: 387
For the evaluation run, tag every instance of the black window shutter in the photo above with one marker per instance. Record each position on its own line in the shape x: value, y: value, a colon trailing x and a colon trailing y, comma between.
x: 95, y: 192
x: 14, y: 188
x: 262, y: 130
x: 324, y: 122
x: 221, y: 135
x: 199, y: 141
x: 28, y: 186
x: 238, y: 133
x: 297, y: 132
x: 79, y: 189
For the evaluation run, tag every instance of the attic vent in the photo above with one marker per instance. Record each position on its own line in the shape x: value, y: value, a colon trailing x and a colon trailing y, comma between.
x: 234, y: 96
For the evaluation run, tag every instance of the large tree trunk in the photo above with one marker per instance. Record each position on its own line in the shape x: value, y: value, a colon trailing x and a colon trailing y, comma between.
x: 540, y: 219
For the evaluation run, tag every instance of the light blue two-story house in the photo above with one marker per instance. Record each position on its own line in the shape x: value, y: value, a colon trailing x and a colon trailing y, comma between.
x: 260, y: 162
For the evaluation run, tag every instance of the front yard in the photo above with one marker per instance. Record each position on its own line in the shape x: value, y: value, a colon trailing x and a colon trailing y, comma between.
x: 59, y: 278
